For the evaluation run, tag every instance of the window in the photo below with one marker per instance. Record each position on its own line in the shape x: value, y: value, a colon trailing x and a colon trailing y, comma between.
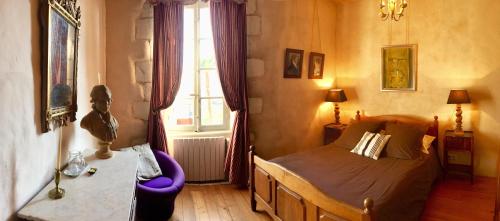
x: 199, y: 104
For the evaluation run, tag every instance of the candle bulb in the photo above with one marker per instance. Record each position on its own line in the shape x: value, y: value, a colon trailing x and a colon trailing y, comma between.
x: 58, y: 192
x: 98, y: 78
x: 59, y: 149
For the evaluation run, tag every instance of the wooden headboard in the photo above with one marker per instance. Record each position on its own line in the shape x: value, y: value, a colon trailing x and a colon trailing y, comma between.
x: 433, y: 125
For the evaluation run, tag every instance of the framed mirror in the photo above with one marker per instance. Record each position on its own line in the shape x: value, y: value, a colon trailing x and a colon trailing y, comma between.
x: 60, y: 24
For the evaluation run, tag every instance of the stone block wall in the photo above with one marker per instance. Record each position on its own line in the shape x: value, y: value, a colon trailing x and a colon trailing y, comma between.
x: 255, y: 63
x: 143, y: 67
x: 130, y: 38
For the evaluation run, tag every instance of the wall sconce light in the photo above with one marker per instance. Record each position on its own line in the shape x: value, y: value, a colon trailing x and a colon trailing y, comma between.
x: 392, y: 9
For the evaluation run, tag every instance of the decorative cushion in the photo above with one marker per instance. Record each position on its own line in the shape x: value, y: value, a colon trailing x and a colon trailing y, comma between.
x: 406, y: 141
x: 148, y: 167
x: 371, y: 145
x: 426, y: 143
x: 353, y: 133
x: 158, y: 182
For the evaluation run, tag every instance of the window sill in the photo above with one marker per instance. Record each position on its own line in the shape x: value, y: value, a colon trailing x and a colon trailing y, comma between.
x: 221, y: 133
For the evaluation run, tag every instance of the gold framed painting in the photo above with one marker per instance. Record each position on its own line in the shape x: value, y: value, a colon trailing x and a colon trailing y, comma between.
x: 399, y: 68
x: 60, y: 21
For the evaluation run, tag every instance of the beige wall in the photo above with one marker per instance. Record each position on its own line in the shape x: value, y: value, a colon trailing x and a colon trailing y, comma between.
x: 27, y: 157
x: 287, y: 115
x: 457, y: 48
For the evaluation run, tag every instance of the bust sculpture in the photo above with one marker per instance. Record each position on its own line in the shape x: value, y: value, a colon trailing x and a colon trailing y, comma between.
x: 99, y: 122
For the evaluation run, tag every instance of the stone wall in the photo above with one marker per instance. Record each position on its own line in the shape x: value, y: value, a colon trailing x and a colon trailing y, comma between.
x: 130, y: 40
x: 255, y: 64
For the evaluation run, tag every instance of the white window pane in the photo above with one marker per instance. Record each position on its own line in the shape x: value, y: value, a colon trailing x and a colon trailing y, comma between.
x: 207, y: 54
x: 188, y: 70
x: 212, y: 112
x: 210, y: 84
x: 182, y: 112
x: 205, y: 23
x: 188, y: 66
x: 189, y: 22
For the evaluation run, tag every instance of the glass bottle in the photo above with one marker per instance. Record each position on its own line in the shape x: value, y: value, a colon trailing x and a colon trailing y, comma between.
x: 76, y: 164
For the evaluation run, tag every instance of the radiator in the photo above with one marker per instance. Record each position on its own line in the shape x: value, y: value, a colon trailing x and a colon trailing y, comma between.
x: 202, y: 159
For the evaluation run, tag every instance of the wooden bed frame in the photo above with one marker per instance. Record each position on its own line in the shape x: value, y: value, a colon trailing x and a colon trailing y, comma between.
x: 288, y: 197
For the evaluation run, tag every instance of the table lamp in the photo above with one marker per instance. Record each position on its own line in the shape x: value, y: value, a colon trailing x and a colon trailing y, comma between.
x: 458, y: 97
x: 336, y: 96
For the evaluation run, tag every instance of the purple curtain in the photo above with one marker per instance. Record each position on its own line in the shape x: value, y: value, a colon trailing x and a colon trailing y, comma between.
x: 167, y: 67
x: 229, y: 30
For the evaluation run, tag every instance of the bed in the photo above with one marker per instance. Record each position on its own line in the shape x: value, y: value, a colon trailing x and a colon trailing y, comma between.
x: 331, y: 183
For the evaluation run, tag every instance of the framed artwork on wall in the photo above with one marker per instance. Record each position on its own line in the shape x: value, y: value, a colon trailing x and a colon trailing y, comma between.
x: 61, y: 26
x: 316, y: 64
x: 399, y: 68
x: 293, y: 63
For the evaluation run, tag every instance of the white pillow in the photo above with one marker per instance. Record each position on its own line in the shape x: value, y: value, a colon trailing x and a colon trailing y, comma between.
x: 148, y: 167
x: 426, y: 143
x: 371, y: 145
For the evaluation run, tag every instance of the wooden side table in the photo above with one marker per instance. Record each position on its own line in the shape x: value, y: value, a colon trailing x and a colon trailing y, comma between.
x: 463, y: 144
x: 332, y: 132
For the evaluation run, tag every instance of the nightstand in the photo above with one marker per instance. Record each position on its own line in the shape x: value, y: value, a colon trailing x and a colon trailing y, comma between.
x: 459, y: 153
x: 332, y: 132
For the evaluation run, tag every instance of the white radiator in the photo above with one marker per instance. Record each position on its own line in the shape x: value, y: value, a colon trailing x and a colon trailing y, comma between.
x: 201, y: 158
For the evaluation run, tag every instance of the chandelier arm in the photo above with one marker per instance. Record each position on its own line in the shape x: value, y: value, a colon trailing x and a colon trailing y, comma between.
x: 393, y: 9
x: 383, y: 14
x: 402, y: 5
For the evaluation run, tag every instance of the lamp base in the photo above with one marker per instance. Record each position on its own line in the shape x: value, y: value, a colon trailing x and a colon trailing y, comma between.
x: 337, y: 114
x: 458, y: 127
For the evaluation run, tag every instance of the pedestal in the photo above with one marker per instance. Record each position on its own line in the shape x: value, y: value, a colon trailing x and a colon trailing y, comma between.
x: 104, y: 151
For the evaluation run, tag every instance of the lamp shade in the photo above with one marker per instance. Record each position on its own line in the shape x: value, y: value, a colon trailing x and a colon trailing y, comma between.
x: 458, y: 97
x: 336, y: 95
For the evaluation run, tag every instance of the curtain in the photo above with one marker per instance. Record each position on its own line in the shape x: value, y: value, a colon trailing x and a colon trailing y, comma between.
x: 167, y: 67
x: 229, y: 30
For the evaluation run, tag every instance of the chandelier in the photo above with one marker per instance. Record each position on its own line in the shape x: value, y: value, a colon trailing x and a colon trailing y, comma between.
x: 392, y: 9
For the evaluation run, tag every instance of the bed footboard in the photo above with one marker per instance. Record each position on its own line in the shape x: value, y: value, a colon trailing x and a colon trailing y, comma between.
x: 286, y: 196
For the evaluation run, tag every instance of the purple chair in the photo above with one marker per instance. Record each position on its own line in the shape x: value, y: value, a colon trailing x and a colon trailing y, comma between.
x: 156, y: 197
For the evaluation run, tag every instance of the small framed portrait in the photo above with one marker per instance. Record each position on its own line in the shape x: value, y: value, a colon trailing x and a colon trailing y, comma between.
x: 316, y: 64
x: 293, y: 63
x: 399, y: 68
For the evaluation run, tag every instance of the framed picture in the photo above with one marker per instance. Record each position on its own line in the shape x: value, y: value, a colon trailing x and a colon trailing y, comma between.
x: 316, y: 64
x: 60, y: 25
x: 399, y: 68
x: 293, y: 63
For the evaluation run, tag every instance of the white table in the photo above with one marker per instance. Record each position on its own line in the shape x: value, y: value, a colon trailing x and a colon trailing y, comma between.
x: 109, y: 194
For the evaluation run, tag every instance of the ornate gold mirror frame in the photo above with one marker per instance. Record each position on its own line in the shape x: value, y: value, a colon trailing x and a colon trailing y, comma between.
x: 60, y: 21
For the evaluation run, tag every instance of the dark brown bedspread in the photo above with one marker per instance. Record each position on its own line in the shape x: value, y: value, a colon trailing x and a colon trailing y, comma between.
x: 398, y: 187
